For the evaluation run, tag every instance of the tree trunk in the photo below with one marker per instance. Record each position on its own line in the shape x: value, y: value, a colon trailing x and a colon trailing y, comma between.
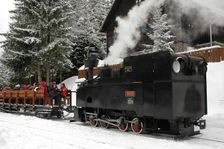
x: 48, y: 75
x: 30, y: 82
x: 35, y: 77
x: 60, y: 76
x: 39, y: 74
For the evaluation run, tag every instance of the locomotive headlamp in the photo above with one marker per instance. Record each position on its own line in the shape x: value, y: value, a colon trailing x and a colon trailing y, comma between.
x: 178, y: 64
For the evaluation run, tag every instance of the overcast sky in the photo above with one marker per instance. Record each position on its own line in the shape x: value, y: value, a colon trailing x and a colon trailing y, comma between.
x: 5, y: 6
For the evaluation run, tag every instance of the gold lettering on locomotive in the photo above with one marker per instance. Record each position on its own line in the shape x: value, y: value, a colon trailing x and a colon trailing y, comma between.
x: 128, y: 69
x: 130, y: 101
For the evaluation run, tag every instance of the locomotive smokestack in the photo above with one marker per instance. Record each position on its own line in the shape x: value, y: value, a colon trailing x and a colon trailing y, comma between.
x: 91, y: 62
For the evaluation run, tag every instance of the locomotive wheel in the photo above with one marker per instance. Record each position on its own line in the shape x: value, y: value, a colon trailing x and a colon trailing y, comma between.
x: 122, y: 125
x: 58, y: 115
x: 93, y: 122
x: 104, y: 124
x: 136, y: 125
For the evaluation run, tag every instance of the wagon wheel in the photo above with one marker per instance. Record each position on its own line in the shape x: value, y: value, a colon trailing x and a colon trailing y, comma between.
x: 93, y: 122
x: 48, y: 115
x: 104, y: 124
x: 36, y: 113
x: 122, y: 124
x: 59, y: 115
x: 137, y: 125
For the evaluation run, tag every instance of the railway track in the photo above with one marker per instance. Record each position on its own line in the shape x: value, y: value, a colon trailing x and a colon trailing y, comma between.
x: 208, y: 139
x: 16, y: 112
x: 46, y: 112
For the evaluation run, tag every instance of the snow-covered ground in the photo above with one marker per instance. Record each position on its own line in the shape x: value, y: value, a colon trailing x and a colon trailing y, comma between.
x: 26, y: 132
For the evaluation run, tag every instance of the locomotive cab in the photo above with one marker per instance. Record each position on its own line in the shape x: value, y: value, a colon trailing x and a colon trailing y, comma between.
x: 174, y: 86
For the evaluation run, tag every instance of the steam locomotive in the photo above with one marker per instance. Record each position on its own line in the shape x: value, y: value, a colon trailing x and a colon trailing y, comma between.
x: 154, y: 92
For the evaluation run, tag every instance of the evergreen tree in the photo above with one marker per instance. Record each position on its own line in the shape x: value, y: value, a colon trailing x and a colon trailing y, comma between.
x: 17, y: 44
x: 5, y: 75
x: 161, y: 33
x: 38, y: 37
x: 88, y: 19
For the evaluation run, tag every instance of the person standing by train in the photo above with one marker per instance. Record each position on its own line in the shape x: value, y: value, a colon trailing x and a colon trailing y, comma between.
x: 44, y: 90
x: 55, y: 94
x: 64, y: 93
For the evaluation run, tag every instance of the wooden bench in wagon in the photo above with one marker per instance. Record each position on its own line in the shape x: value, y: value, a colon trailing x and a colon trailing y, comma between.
x: 22, y: 100
x: 28, y: 102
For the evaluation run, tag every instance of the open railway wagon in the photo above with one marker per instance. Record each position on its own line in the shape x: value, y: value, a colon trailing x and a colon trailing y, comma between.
x: 29, y: 102
x: 159, y: 92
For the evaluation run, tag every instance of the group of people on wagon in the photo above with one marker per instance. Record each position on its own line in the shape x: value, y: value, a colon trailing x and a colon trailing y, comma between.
x: 52, y: 94
x: 17, y: 87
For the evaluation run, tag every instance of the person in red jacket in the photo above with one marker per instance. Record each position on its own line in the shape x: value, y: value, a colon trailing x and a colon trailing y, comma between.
x: 64, y: 93
x: 44, y: 90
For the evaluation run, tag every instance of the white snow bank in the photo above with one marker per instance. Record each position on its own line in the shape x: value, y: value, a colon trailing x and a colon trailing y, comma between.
x: 70, y: 82
x: 215, y: 88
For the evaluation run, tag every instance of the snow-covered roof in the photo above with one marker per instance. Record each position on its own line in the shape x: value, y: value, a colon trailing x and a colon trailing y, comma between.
x: 201, y: 49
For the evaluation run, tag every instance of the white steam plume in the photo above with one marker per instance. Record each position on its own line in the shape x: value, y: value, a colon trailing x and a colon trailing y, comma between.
x: 128, y: 32
x: 211, y: 11
x: 202, y: 14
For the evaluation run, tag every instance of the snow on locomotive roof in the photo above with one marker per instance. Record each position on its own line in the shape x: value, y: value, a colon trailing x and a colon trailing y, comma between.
x: 101, y: 63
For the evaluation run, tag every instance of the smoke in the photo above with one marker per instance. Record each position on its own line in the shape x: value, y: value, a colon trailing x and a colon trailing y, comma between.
x: 211, y: 11
x: 128, y: 32
x: 201, y: 12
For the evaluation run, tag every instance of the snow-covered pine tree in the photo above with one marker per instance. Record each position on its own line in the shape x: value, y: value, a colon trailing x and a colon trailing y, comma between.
x: 53, y: 21
x: 88, y: 18
x: 19, y: 41
x: 97, y: 12
x: 6, y: 74
x: 160, y: 32
x: 39, y: 32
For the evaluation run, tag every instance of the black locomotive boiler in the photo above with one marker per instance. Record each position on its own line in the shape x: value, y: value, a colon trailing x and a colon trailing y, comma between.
x: 155, y: 92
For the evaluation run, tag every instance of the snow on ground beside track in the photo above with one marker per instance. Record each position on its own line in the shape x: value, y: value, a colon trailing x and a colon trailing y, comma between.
x: 215, y: 88
x: 26, y: 132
